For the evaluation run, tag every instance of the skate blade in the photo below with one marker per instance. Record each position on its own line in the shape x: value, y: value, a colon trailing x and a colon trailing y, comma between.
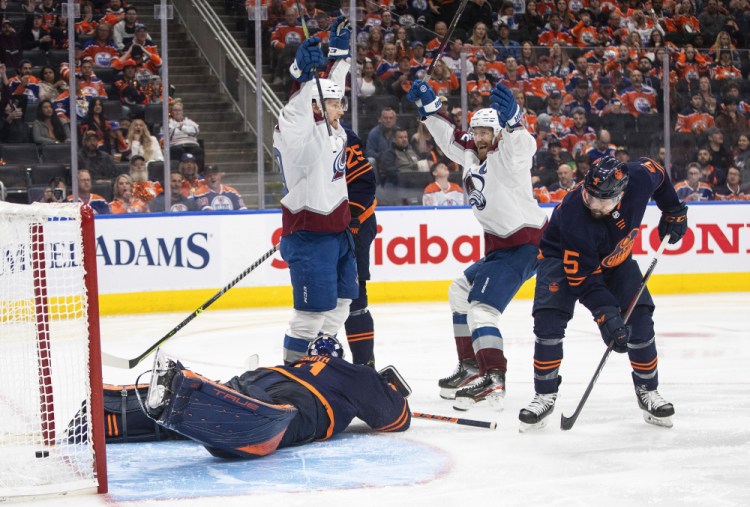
x: 447, y: 393
x: 493, y: 402
x: 664, y: 422
x: 526, y: 427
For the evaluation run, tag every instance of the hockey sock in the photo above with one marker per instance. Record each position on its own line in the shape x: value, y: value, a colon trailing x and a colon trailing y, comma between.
x: 360, y: 333
x: 642, y: 353
x: 488, y: 348
x: 462, y: 334
x: 549, y: 328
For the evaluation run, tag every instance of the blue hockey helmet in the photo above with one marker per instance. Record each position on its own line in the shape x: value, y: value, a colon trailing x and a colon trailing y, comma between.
x: 606, y: 179
x: 325, y: 345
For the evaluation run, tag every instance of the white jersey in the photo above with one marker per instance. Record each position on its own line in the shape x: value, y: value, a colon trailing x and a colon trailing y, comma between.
x: 313, y: 172
x: 499, y: 188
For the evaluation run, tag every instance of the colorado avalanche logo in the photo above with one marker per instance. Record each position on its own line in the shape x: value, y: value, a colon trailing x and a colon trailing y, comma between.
x: 475, y: 184
x: 621, y: 251
x: 339, y: 165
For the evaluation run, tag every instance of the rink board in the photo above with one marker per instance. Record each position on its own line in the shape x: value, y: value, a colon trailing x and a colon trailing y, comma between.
x: 175, y: 262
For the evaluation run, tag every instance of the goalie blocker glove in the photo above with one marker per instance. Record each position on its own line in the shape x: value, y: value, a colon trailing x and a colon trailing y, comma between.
x: 339, y: 39
x: 674, y: 223
x: 308, y: 58
x: 503, y: 101
x: 423, y: 96
x: 612, y: 327
x: 391, y: 375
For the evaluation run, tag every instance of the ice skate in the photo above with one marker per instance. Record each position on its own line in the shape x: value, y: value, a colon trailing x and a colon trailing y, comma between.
x: 656, y: 410
x: 489, y: 388
x: 466, y: 371
x: 160, y: 387
x: 536, y: 415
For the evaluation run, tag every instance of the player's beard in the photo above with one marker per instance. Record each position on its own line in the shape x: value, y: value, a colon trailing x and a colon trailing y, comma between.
x: 598, y: 215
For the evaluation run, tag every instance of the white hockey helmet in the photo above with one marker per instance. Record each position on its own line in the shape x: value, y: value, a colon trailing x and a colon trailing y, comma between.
x: 486, y: 117
x: 331, y: 91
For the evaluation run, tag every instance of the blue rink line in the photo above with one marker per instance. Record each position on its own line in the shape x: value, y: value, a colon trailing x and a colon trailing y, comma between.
x: 179, y: 470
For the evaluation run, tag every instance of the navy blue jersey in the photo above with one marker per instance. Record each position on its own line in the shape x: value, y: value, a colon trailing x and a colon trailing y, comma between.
x: 347, y: 391
x: 360, y: 177
x: 588, y: 246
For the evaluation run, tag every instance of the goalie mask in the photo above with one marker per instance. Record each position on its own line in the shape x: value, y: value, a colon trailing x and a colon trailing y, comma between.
x: 325, y: 345
x: 487, y: 118
x: 331, y: 91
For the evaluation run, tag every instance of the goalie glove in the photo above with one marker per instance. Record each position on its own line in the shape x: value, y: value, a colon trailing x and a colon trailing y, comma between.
x: 391, y: 375
x: 339, y: 36
x: 423, y: 96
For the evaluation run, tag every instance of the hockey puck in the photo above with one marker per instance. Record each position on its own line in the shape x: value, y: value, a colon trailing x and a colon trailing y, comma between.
x: 42, y: 454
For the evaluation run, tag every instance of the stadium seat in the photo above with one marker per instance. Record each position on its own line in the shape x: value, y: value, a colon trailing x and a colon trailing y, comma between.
x: 152, y: 116
x: 29, y: 114
x: 56, y: 154
x: 35, y: 192
x: 650, y: 122
x: 22, y: 154
x: 41, y: 174
x: 106, y: 74
x: 37, y: 57
x: 113, y: 110
x: 57, y: 56
x: 122, y: 167
x: 414, y: 179
x: 14, y: 177
x: 103, y: 189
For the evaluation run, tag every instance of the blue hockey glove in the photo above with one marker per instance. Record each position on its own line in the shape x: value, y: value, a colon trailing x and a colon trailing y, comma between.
x: 674, y: 223
x: 339, y: 37
x: 503, y: 101
x: 612, y: 327
x: 308, y: 58
x: 424, y: 97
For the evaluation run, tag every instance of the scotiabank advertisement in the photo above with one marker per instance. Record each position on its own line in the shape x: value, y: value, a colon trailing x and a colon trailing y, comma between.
x: 163, y: 252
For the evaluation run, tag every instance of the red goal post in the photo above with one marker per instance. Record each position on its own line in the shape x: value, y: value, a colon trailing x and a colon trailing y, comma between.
x: 50, y: 354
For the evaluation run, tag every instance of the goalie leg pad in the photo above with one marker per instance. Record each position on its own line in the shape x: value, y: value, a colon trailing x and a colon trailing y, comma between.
x: 223, y: 419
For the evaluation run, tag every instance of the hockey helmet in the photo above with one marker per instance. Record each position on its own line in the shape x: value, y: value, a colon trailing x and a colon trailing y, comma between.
x: 325, y: 345
x: 486, y: 117
x: 331, y: 91
x: 606, y: 179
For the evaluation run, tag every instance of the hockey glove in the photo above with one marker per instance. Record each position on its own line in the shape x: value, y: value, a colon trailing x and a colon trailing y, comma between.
x: 674, y: 223
x: 308, y: 58
x: 339, y: 37
x: 503, y: 101
x: 612, y: 327
x: 391, y: 375
x: 424, y: 97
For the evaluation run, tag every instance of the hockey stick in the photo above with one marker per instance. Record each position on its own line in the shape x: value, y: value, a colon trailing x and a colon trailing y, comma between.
x: 451, y: 28
x: 490, y: 425
x: 317, y: 79
x: 119, y: 362
x: 567, y: 423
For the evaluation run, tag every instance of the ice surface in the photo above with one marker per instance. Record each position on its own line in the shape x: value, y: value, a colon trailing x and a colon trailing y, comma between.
x: 610, y: 457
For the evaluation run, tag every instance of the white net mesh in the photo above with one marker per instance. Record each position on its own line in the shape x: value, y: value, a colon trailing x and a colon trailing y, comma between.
x: 44, y: 371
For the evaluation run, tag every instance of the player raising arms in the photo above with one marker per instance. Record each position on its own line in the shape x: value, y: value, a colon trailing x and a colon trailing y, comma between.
x: 587, y: 257
x: 316, y: 242
x: 496, y: 156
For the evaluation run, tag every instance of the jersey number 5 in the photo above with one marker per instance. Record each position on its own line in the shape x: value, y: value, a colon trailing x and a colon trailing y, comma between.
x: 570, y: 262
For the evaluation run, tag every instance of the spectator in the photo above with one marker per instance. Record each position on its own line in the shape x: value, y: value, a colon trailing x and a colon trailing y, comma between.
x: 709, y: 100
x: 124, y: 201
x: 721, y: 157
x: 400, y: 157
x: 505, y: 45
x: 388, y: 64
x: 55, y: 191
x: 741, y: 154
x: 602, y: 147
x: 179, y: 202
x: 124, y: 31
x: 367, y: 85
x: 452, y: 59
x: 192, y: 183
x: 107, y: 131
x: 11, y: 47
x: 730, y: 121
x: 59, y: 30
x: 114, y: 13
x: 12, y: 127
x: 579, y: 97
x: 543, y: 82
x: 559, y: 122
x: 143, y: 189
x: 513, y: 78
x: 217, y: 197
x: 144, y: 53
x: 51, y: 86
x: 554, y: 31
x: 25, y: 83
x: 529, y: 119
x: 732, y: 189
x: 183, y: 132
x: 380, y: 138
x: 400, y: 81
x: 87, y: 24
x: 481, y: 80
x: 584, y: 32
x: 582, y: 167
x: 561, y: 63
x: 442, y: 192
x: 725, y: 68
x: 690, y: 64
x: 142, y: 143
x: 91, y: 86
x: 402, y: 43
x: 131, y: 93
x: 709, y: 172
x: 441, y: 30
x: 285, y: 38
x: 101, y: 165
x: 101, y: 49
x: 712, y: 20
x: 419, y: 61
x: 637, y: 98
x: 47, y: 128
x: 694, y: 120
x: 527, y: 63
x: 692, y: 188
x: 580, y: 136
x: 650, y: 80
x: 530, y: 23
x: 546, y: 172
x: 443, y: 81
x: 604, y: 97
x: 622, y: 154
x: 34, y: 34
x: 85, y: 196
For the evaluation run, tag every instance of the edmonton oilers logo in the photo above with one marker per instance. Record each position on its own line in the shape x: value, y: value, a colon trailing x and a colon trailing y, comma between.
x: 339, y: 165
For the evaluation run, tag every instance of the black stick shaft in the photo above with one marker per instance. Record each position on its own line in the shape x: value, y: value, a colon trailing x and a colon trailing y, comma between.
x: 567, y: 423
x: 456, y: 420
x: 132, y: 363
x: 451, y: 28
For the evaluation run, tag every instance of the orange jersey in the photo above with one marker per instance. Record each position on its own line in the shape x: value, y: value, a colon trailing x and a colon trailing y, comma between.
x: 558, y: 124
x: 577, y: 142
x: 496, y: 68
x: 112, y: 17
x: 541, y: 86
x: 516, y: 84
x: 283, y: 35
x: 549, y: 37
x: 191, y: 188
x: 443, y: 88
x: 483, y: 85
x: 584, y: 35
x: 725, y: 72
x: 86, y: 27
x: 135, y: 206
x: 693, y: 123
x: 147, y: 190
x: 638, y: 101
x: 102, y: 54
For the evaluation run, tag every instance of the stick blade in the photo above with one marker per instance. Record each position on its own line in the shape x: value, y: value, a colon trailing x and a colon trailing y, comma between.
x: 566, y: 423
x: 115, y: 362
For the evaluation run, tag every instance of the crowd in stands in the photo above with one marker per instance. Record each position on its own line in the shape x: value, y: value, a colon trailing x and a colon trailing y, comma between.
x: 117, y: 103
x: 588, y: 73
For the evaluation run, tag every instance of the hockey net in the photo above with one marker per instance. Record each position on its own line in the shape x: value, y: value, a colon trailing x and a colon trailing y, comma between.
x: 50, y: 359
